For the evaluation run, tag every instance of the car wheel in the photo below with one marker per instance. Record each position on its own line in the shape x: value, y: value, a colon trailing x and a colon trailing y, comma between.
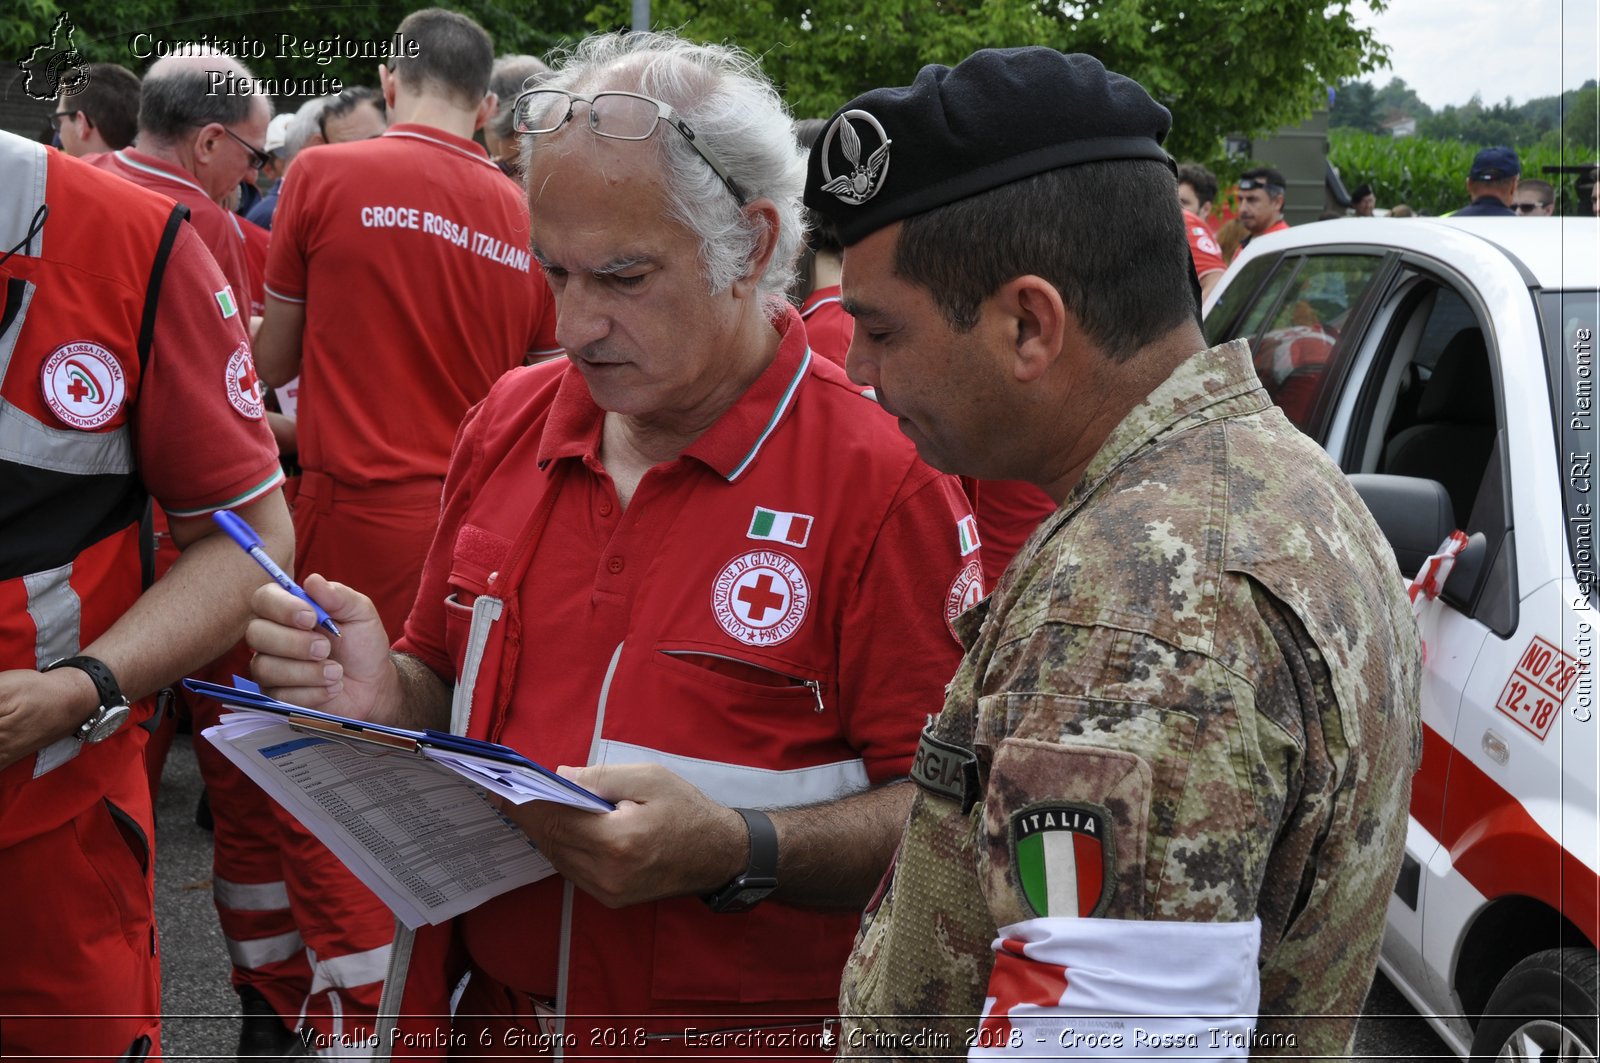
x: 1543, y: 1009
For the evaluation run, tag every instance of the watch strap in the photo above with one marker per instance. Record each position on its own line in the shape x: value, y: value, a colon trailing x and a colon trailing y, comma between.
x: 763, y: 844
x: 760, y: 876
x: 104, y: 682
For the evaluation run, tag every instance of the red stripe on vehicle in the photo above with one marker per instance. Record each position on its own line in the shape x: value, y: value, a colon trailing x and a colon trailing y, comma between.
x: 1492, y: 840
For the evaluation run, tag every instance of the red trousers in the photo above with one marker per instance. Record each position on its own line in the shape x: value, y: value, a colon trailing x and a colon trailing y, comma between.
x: 80, y: 955
x: 374, y: 539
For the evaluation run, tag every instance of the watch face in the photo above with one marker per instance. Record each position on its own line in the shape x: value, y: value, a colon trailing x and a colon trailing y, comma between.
x: 103, y: 724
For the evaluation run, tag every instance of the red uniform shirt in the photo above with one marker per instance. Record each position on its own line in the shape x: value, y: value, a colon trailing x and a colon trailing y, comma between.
x: 193, y: 415
x: 1277, y: 226
x: 1202, y: 246
x: 828, y: 327
x: 218, y: 228
x: 410, y: 253
x: 771, y: 631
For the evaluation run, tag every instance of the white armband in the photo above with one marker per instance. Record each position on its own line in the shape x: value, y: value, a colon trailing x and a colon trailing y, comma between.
x: 1121, y: 989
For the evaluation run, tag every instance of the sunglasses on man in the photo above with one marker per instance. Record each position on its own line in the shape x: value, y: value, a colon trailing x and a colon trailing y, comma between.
x: 1529, y: 208
x: 61, y: 116
x: 258, y: 158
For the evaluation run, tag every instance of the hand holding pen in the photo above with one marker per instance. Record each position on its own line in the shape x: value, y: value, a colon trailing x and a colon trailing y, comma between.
x: 241, y: 532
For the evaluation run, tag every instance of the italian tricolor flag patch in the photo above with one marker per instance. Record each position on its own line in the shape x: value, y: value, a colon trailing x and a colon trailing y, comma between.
x: 225, y: 302
x: 1063, y: 858
x: 776, y: 526
x: 967, y: 534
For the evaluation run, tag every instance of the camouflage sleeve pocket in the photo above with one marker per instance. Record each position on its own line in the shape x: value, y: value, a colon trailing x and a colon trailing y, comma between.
x: 1081, y: 802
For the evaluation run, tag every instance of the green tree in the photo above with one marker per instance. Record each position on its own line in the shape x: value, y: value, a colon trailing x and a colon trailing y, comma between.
x: 1210, y: 61
x: 1398, y: 98
x: 1581, y: 122
x: 125, y: 31
x: 1355, y: 106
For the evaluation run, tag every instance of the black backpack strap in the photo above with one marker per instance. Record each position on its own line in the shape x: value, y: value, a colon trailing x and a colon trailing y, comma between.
x: 147, y: 332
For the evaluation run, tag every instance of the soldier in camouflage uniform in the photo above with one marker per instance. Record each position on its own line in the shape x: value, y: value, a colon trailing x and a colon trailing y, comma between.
x: 1170, y: 780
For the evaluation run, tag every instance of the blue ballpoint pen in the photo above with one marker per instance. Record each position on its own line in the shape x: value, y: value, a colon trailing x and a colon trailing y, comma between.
x: 241, y: 532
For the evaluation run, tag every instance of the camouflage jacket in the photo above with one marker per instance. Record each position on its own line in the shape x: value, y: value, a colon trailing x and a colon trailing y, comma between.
x: 1203, y: 665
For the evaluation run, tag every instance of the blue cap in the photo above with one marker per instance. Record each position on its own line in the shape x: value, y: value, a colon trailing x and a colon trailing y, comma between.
x: 1495, y: 164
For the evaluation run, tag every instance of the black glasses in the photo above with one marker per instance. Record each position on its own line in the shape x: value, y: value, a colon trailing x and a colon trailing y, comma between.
x: 60, y: 116
x: 258, y: 158
x: 618, y: 115
x: 1529, y: 208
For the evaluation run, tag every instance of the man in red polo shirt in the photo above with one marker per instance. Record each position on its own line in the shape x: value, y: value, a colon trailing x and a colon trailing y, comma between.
x: 1261, y: 195
x: 196, y: 143
x: 649, y: 563
x: 399, y: 288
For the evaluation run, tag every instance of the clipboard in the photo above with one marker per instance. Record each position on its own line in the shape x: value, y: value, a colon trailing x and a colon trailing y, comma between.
x: 246, y: 694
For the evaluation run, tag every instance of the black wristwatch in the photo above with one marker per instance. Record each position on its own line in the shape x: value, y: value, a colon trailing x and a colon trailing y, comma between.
x: 760, y: 877
x: 113, y: 711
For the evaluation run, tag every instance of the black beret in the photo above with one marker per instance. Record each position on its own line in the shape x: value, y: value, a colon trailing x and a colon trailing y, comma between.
x: 1000, y: 115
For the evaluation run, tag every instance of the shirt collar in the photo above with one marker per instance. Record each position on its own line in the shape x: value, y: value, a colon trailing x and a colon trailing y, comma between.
x: 149, y: 164
x: 1218, y: 382
x: 730, y: 446
x: 434, y: 135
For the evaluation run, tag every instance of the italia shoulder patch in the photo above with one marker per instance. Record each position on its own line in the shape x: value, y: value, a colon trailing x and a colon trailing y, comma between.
x: 1064, y: 857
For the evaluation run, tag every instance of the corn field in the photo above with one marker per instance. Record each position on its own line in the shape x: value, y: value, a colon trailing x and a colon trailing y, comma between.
x: 1430, y: 175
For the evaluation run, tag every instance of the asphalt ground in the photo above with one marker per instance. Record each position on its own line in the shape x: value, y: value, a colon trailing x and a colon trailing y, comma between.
x: 200, y: 1010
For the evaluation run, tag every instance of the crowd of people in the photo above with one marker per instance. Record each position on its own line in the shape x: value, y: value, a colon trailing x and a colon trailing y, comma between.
x: 939, y: 617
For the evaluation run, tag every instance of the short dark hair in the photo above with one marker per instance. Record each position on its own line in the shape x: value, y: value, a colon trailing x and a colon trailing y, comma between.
x: 1276, y: 185
x: 109, y: 99
x: 346, y: 102
x: 1202, y: 180
x: 171, y: 104
x: 454, y: 54
x: 1108, y: 235
x: 1543, y: 189
x: 820, y: 233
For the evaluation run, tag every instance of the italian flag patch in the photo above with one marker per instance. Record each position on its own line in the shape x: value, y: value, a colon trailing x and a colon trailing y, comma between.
x: 1063, y: 858
x: 773, y: 525
x: 225, y: 301
x: 967, y: 533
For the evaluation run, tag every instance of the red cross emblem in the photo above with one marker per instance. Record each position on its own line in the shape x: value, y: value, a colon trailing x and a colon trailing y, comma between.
x: 761, y: 597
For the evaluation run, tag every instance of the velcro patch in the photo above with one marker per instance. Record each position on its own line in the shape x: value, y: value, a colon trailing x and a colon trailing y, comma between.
x: 946, y: 769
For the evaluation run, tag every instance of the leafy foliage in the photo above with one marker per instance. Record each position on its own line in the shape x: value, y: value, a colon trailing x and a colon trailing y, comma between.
x: 1207, y: 61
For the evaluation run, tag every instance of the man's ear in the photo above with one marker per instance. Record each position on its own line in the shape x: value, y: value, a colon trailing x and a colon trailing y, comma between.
x: 766, y: 217
x: 486, y: 109
x: 1038, y: 320
x: 386, y: 84
x: 206, y: 139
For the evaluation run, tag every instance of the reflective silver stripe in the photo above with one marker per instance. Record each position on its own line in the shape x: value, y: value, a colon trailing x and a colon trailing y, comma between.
x: 564, y: 954
x: 249, y: 896
x: 259, y: 952
x: 24, y: 167
x: 8, y: 340
x: 485, y: 611
x: 738, y: 785
x: 57, y: 617
x: 347, y: 972
x: 28, y: 442
x: 387, y: 1023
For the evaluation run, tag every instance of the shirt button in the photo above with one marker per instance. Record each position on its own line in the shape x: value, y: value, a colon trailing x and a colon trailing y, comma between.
x: 614, y: 565
x: 605, y: 508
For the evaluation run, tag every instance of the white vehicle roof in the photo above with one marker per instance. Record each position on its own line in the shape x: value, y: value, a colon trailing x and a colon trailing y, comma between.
x: 1560, y: 253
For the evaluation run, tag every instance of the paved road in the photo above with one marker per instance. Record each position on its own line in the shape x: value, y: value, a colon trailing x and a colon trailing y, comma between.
x: 201, y: 1011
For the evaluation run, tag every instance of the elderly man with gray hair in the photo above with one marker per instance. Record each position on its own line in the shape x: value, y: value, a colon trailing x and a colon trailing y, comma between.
x: 692, y: 563
x: 195, y: 146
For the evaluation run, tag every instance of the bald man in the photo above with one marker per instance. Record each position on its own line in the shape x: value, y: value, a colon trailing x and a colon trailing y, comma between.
x: 196, y: 145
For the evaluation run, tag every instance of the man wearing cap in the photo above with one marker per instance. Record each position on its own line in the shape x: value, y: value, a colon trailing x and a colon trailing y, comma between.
x: 1168, y: 786
x: 1492, y: 184
x: 1363, y: 200
x: 1261, y: 195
